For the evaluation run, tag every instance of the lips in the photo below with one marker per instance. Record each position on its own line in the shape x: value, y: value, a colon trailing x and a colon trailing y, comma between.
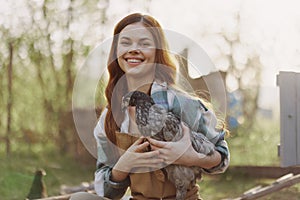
x: 134, y: 60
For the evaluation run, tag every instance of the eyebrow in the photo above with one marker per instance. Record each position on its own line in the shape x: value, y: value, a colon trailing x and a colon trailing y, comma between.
x: 142, y: 39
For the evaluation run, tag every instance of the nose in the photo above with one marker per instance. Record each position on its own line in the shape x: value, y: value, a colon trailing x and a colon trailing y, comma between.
x: 134, y: 49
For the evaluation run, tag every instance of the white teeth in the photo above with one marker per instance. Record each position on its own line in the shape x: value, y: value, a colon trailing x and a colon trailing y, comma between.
x: 134, y: 61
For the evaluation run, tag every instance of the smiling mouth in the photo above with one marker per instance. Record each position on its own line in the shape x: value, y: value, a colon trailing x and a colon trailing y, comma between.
x: 134, y: 60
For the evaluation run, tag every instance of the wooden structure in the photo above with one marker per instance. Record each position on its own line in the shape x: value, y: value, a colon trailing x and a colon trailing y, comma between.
x: 289, y: 149
x: 210, y: 87
x: 270, y: 172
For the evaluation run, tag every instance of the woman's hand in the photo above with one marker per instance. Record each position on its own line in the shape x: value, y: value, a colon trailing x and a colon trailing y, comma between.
x: 183, y: 153
x: 180, y: 152
x: 135, y: 158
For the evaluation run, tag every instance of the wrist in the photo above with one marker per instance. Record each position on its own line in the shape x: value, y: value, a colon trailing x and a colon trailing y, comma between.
x: 209, y: 161
x: 193, y: 158
x: 117, y: 184
x: 122, y: 165
x: 118, y: 176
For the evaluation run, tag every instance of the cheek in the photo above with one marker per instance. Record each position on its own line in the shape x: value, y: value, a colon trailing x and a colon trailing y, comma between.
x: 121, y: 64
x: 150, y: 54
x: 120, y: 52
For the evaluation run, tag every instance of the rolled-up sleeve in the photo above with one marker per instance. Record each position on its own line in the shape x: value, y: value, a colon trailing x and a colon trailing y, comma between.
x: 104, y: 186
x: 208, y: 128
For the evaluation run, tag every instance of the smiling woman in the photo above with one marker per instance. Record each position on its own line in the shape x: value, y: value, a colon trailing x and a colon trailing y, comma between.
x: 136, y: 52
x: 140, y: 60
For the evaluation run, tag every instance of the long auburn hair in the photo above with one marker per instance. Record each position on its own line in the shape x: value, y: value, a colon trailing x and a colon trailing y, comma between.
x: 165, y: 70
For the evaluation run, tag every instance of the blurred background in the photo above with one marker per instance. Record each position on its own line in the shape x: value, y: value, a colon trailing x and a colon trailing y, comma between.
x: 45, y: 42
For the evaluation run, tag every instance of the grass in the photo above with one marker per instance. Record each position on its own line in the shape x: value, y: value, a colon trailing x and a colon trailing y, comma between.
x: 257, y: 146
x: 17, y: 172
x: 231, y: 185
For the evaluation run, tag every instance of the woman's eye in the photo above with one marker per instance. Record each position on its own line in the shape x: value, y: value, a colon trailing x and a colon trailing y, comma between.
x: 146, y: 44
x: 125, y: 43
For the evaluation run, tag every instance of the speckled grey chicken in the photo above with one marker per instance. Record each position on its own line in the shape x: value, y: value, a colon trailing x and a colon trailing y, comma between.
x: 154, y: 121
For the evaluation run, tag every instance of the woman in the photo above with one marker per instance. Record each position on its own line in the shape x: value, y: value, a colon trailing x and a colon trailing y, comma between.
x: 139, y: 60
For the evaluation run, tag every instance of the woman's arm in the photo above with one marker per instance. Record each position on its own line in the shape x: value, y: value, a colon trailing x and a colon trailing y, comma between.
x: 183, y: 153
x: 112, y: 182
x: 104, y: 186
x: 112, y: 175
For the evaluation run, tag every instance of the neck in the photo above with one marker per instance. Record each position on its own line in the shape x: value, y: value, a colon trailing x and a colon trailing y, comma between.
x: 140, y: 84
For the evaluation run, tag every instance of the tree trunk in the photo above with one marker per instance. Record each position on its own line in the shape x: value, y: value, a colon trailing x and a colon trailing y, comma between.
x: 9, y: 100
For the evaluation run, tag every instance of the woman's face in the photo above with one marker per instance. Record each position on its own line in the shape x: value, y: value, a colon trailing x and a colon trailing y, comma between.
x: 136, y: 51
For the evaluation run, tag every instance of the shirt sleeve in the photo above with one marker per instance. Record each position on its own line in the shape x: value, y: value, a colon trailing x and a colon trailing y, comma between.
x: 201, y: 120
x: 103, y: 184
x: 207, y: 125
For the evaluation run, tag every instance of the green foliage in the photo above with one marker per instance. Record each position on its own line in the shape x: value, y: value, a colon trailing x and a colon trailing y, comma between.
x: 257, y: 145
x: 18, y: 171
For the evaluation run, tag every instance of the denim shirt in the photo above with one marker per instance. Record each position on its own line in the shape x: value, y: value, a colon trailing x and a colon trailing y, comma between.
x: 190, y: 110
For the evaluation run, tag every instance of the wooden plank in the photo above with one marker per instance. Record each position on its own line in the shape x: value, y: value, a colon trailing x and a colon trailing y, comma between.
x: 279, y: 184
x: 84, y: 186
x: 272, y: 188
x: 288, y: 124
x: 252, y: 190
x: 284, y: 178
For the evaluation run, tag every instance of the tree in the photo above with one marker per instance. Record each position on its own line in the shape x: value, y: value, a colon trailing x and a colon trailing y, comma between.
x: 10, y: 98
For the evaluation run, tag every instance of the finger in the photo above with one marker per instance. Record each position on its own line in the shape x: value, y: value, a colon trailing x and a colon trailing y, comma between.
x: 155, y: 148
x: 162, y: 152
x: 139, y: 140
x: 157, y: 143
x: 150, y: 154
x: 141, y: 147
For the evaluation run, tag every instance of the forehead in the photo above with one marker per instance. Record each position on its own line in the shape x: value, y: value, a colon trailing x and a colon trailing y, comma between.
x: 136, y: 30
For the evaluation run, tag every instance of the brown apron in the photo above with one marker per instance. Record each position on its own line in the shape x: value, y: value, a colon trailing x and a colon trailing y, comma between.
x: 153, y: 184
